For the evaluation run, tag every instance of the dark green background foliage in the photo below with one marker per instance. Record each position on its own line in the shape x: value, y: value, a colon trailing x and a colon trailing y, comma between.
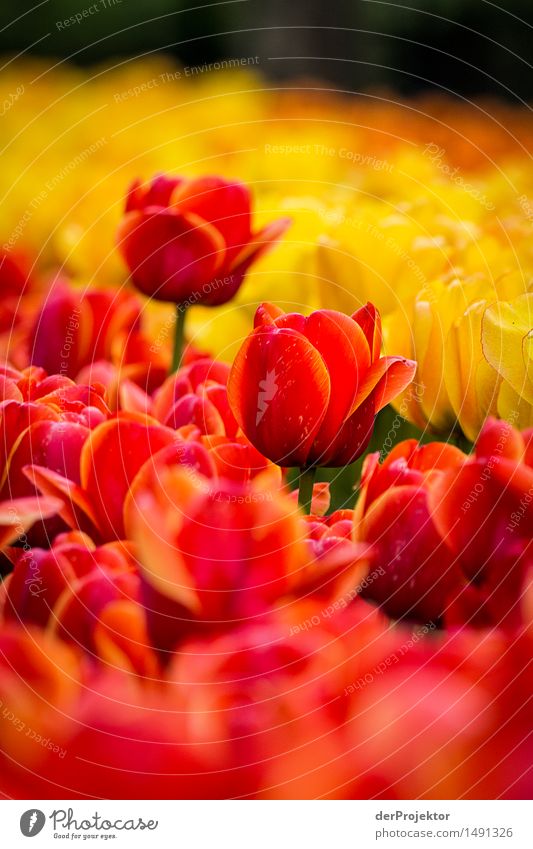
x: 465, y: 46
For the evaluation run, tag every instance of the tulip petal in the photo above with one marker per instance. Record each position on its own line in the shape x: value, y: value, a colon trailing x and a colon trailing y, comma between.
x: 55, y: 445
x: 506, y: 330
x: 419, y: 572
x: 170, y: 256
x: 279, y: 390
x: 369, y: 319
x: 472, y: 507
x: 224, y: 204
x: 353, y: 437
x: 259, y: 243
x: 75, y: 508
x: 500, y: 439
x: 345, y: 351
x: 385, y: 379
x: 156, y: 192
x: 266, y: 314
x: 111, y: 458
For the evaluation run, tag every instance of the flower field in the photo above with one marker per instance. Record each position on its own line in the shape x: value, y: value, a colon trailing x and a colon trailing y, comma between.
x: 266, y: 493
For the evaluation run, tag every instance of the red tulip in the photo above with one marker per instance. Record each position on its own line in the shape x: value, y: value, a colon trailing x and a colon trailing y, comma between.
x: 95, y: 335
x: 216, y: 553
x: 305, y: 391
x: 93, y: 495
x: 192, y: 240
x: 70, y: 586
x: 451, y: 532
x: 43, y: 420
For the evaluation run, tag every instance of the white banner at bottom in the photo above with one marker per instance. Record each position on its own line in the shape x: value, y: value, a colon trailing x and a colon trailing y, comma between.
x: 268, y: 824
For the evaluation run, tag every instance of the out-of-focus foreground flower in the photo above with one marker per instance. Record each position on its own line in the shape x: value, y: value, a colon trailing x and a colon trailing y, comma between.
x: 459, y: 527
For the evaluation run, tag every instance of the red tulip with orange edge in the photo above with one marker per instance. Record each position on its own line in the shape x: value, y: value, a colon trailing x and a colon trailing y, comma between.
x: 306, y: 391
x: 44, y: 419
x: 92, y: 500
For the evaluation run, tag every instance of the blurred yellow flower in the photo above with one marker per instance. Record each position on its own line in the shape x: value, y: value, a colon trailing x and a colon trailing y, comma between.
x: 442, y: 330
x: 507, y: 339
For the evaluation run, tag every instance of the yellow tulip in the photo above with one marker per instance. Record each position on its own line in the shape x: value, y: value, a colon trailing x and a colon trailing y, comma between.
x: 507, y: 340
x: 442, y: 329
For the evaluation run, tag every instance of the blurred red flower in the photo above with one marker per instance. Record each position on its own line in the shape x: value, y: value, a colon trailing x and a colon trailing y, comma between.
x: 191, y: 240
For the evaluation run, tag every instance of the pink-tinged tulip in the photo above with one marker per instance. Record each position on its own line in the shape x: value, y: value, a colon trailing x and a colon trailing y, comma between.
x: 69, y: 586
x: 93, y: 499
x: 451, y: 532
x: 416, y: 570
x: 74, y: 328
x: 44, y: 420
x: 192, y: 240
x: 95, y: 333
x: 196, y: 395
x: 306, y: 391
x: 194, y: 401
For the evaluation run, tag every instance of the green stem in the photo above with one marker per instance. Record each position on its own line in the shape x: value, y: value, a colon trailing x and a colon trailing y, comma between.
x: 305, y: 491
x: 460, y: 441
x: 179, y: 337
